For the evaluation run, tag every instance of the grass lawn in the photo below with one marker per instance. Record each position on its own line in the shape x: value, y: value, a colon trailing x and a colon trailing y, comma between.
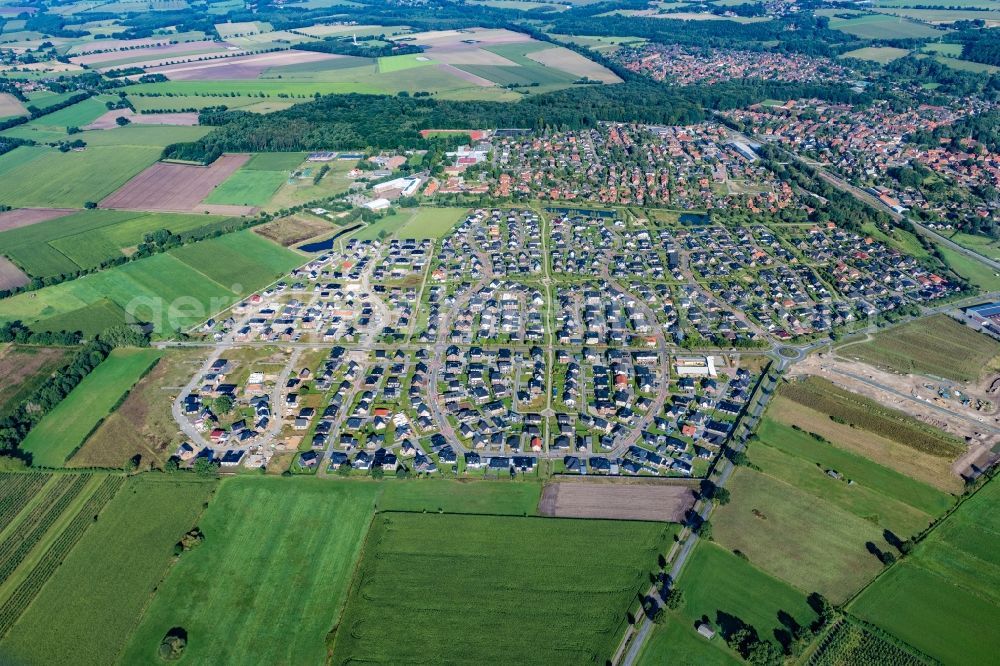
x: 722, y: 587
x: 89, y: 607
x: 63, y: 430
x: 277, y: 558
x: 491, y: 589
x: 248, y: 187
x: 431, y: 223
x: 68, y: 180
x: 988, y: 247
x: 678, y: 643
x: 785, y: 531
x: 448, y: 496
x: 938, y: 346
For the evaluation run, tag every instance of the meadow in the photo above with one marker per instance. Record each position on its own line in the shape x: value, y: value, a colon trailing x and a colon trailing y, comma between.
x: 860, y: 412
x: 90, y: 605
x: 938, y: 346
x: 940, y: 596
x: 69, y: 180
x: 722, y: 587
x: 63, y: 430
x: 812, y: 544
x: 248, y: 188
x: 880, y: 54
x: 24, y: 368
x: 566, y: 603
x: 431, y: 222
x: 172, y: 290
x: 878, y: 26
x: 450, y: 496
x: 85, y: 239
x: 977, y: 273
x: 678, y: 643
x: 278, y: 553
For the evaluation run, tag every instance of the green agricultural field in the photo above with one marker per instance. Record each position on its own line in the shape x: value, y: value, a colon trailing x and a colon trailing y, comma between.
x: 567, y: 604
x: 448, y: 496
x: 967, y: 65
x: 275, y: 162
x: 68, y: 180
x: 979, y: 274
x: 156, y: 136
x: 431, y: 223
x: 90, y: 606
x: 940, y: 597
x: 88, y: 238
x: 845, y: 407
x: 63, y: 430
x: 938, y: 346
x: 813, y: 545
x: 401, y: 62
x: 723, y: 587
x: 248, y: 188
x: 880, y: 54
x: 878, y: 26
x: 20, y: 156
x: 173, y: 290
x: 867, y: 474
x: 78, y: 115
x: 851, y: 643
x: 984, y: 245
x: 385, y: 226
x: 278, y: 556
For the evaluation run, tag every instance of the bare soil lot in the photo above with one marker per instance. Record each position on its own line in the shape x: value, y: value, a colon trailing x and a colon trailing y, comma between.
x: 294, y: 229
x: 10, y: 275
x: 109, y: 119
x: 23, y: 217
x: 173, y: 187
x: 240, y: 67
x: 620, y: 500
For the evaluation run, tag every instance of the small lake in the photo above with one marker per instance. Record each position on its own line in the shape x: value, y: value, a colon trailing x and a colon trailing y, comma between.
x: 324, y: 245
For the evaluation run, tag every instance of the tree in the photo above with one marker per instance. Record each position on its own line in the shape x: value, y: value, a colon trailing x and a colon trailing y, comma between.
x: 659, y: 616
x: 122, y: 121
x: 377, y: 472
x: 344, y: 469
x: 764, y: 653
x: 205, y: 467
x: 705, y: 530
x: 675, y: 599
x: 223, y: 404
x: 173, y: 644
x: 721, y: 496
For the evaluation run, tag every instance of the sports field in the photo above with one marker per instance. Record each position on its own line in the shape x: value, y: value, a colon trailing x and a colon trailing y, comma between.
x: 431, y: 223
x: 63, y: 430
x: 54, y: 179
x: 813, y: 544
x: 173, y: 290
x: 90, y: 606
x: 278, y: 553
x: 467, y: 597
x: 938, y: 346
x: 939, y: 598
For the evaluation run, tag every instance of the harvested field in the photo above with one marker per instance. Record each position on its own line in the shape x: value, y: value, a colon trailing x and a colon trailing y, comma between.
x: 620, y: 501
x: 173, y: 187
x: 23, y: 217
x: 10, y: 275
x: 465, y: 54
x: 23, y: 369
x: 109, y: 119
x: 293, y: 229
x: 10, y: 106
x: 239, y: 67
x: 465, y: 76
x: 481, y: 37
x: 574, y: 63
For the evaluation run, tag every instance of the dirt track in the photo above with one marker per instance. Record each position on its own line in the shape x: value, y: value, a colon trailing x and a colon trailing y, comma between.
x: 619, y: 500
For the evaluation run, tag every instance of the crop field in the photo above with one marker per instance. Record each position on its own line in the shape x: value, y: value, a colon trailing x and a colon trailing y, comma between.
x: 23, y: 369
x: 143, y: 425
x: 878, y: 26
x: 401, y: 62
x: 87, y: 238
x: 10, y: 106
x: 248, y: 187
x: 168, y: 291
x: 860, y: 499
x: 252, y: 557
x: 77, y: 115
x: 431, y: 223
x: 451, y: 496
x: 949, y: 15
x: 569, y: 499
x: 155, y: 136
x: 174, y: 187
x: 63, y: 430
x: 938, y: 346
x: 880, y: 54
x: 931, y: 470
x: 71, y: 179
x: 89, y: 607
x: 22, y: 217
x: 851, y: 643
x: 16, y: 490
x: 568, y: 604
x: 574, y: 63
x: 44, y: 534
x: 939, y: 597
x: 724, y: 588
x: 813, y: 545
x: 845, y: 407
